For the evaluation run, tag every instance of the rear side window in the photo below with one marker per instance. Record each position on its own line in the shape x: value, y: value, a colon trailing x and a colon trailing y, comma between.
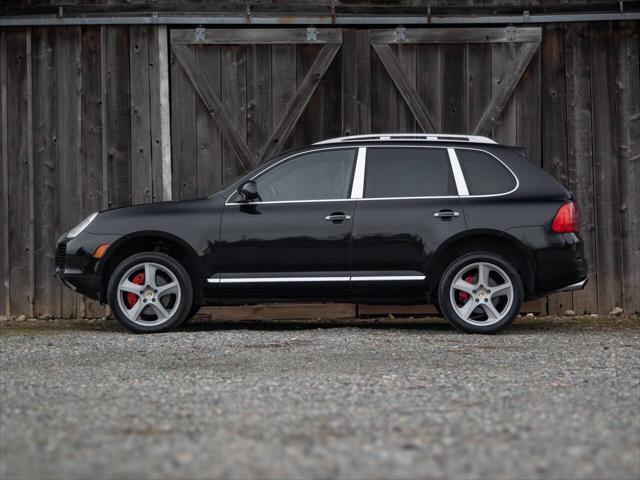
x: 484, y: 174
x: 408, y: 172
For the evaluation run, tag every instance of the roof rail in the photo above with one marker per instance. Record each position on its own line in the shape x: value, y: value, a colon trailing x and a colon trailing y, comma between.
x: 432, y: 137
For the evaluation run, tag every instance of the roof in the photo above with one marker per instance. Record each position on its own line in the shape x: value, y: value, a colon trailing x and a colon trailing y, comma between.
x: 427, y: 137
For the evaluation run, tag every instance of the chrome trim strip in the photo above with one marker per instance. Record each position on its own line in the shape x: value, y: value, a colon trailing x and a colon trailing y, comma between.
x: 461, y: 183
x: 342, y: 147
x: 357, y: 190
x: 575, y: 286
x: 505, y: 166
x: 391, y: 278
x: 279, y: 279
x: 217, y: 279
x: 433, y: 137
x: 383, y: 198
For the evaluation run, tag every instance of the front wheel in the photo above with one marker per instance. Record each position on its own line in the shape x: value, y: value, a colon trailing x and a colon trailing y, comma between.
x: 480, y: 293
x: 150, y: 292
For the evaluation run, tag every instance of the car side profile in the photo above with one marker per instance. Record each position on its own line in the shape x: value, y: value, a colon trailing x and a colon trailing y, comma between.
x: 458, y: 221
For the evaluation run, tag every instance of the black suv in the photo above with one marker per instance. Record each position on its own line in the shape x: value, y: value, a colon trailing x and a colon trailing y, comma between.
x: 458, y: 221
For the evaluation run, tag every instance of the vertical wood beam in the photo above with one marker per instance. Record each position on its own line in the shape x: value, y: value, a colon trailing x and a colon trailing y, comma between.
x: 4, y: 182
x: 628, y: 119
x: 165, y: 112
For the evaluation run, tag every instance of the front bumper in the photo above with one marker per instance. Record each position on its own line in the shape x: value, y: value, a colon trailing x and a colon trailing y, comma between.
x: 77, y: 268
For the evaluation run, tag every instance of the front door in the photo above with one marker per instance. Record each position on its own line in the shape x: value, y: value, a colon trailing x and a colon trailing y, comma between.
x: 410, y: 206
x: 295, y: 240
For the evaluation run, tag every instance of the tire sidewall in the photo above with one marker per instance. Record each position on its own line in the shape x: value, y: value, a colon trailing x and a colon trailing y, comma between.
x: 186, y: 300
x: 449, y: 275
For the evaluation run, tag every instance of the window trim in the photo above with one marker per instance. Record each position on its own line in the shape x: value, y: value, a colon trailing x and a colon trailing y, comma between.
x: 358, y: 176
x: 265, y: 170
x: 488, y: 195
x: 364, y: 171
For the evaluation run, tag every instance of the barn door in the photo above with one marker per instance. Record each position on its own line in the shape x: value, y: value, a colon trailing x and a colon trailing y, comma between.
x: 482, y: 81
x: 240, y: 96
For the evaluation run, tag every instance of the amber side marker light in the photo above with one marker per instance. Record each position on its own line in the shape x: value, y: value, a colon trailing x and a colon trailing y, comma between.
x: 566, y: 220
x: 101, y: 250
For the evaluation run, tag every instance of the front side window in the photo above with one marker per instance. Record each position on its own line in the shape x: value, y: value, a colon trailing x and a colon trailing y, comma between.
x: 484, y: 174
x: 322, y: 175
x: 408, y: 172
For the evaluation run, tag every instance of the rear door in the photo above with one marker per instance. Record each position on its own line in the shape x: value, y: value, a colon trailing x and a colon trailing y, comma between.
x: 409, y: 207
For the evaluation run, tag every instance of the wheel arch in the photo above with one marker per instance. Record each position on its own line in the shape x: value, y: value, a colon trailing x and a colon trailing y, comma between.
x: 492, y: 241
x: 158, y: 241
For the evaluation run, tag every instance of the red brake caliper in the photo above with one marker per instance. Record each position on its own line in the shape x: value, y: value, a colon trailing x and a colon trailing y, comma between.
x: 464, y: 296
x: 132, y: 298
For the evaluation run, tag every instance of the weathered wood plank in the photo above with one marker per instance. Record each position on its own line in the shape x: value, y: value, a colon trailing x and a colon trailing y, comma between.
x: 311, y: 311
x: 5, y: 304
x: 141, y: 166
x: 47, y: 289
x: 457, y: 35
x: 554, y: 134
x: 259, y: 115
x: 606, y: 173
x: 92, y: 166
x: 308, y: 127
x: 222, y: 110
x: 404, y: 119
x: 478, y: 81
x: 118, y: 117
x: 236, y: 156
x: 283, y: 82
x: 579, y: 153
x: 429, y: 81
x: 453, y: 89
x: 164, y: 113
x: 514, y: 72
x: 183, y: 130
x: 301, y: 99
x: 363, y: 94
x: 155, y: 114
x: 406, y: 89
x: 69, y: 158
x: 330, y: 94
x: 349, y: 119
x: 209, y: 137
x: 528, y: 111
x: 628, y: 119
x: 264, y: 36
x: 20, y: 274
x: 504, y: 128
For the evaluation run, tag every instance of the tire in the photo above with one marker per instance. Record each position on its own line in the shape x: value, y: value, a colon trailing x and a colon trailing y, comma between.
x: 150, y: 307
x: 192, y: 313
x: 496, y: 301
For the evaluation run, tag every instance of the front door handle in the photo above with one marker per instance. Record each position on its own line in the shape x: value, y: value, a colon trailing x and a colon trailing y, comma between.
x: 337, y: 217
x: 446, y: 214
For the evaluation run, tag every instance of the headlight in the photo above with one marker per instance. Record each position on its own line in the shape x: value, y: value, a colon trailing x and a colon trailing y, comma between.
x: 75, y: 231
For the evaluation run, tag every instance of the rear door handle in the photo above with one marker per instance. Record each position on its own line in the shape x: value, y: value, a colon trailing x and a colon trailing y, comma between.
x: 337, y: 217
x: 446, y: 214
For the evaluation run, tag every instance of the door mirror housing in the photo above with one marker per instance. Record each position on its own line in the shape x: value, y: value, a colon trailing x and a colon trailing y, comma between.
x: 248, y: 190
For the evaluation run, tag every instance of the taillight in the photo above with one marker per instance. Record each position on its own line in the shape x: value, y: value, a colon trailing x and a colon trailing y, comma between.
x: 566, y: 220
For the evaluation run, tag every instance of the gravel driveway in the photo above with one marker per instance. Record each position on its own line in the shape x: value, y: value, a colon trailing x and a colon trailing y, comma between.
x: 548, y: 398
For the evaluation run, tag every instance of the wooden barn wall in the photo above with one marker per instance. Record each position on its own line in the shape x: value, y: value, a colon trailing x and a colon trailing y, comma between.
x: 79, y: 131
x: 77, y: 135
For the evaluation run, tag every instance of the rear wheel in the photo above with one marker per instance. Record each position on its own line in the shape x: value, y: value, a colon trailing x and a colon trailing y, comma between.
x: 480, y: 293
x: 150, y: 292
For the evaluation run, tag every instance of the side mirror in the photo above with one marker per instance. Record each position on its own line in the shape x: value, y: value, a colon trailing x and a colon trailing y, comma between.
x: 248, y: 190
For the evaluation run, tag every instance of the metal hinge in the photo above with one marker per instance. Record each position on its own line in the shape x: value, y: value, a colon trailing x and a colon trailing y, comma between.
x: 312, y: 34
x: 401, y: 34
x: 200, y: 34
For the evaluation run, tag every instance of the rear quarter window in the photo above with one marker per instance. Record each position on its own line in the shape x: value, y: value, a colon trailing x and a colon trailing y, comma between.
x: 484, y: 174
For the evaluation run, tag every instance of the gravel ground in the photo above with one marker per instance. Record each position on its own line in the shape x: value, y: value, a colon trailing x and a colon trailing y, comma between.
x: 548, y: 398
